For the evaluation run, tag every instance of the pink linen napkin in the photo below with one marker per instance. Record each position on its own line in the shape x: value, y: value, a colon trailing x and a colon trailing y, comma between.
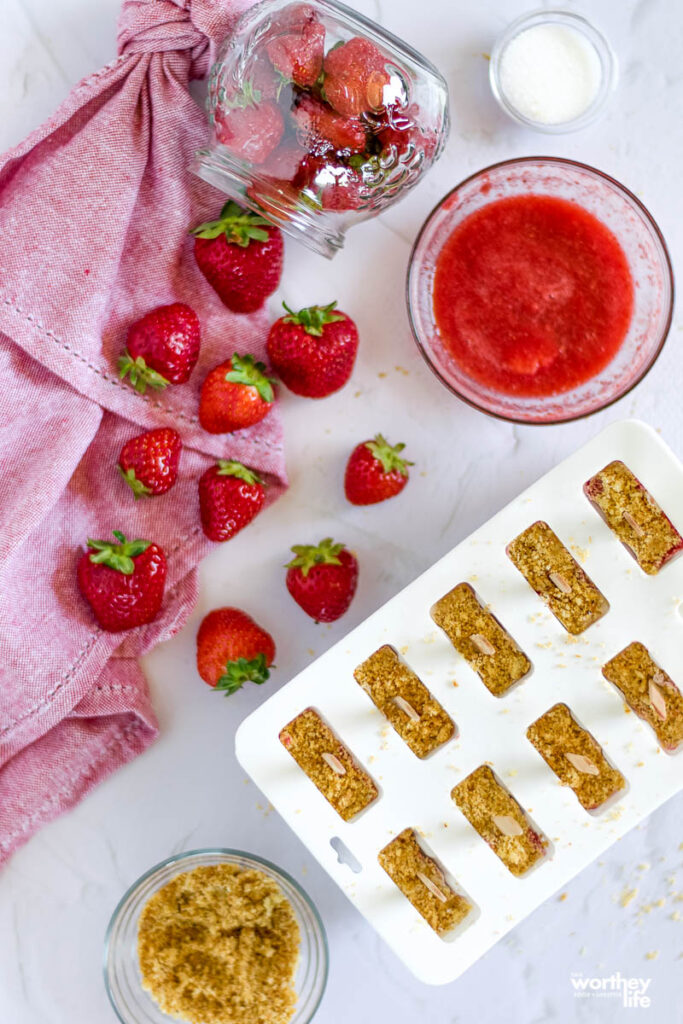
x: 95, y: 208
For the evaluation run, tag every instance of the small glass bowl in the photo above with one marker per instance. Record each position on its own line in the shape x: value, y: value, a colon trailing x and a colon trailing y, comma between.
x: 636, y: 232
x: 604, y: 53
x: 317, y: 156
x: 133, y: 1005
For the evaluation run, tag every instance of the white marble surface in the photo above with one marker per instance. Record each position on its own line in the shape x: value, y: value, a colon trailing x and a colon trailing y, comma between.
x: 187, y: 791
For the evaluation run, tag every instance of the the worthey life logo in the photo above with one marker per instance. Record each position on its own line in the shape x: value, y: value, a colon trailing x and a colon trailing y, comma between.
x: 633, y: 992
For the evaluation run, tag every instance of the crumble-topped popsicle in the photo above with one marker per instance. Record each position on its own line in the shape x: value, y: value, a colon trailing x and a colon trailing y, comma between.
x: 483, y: 642
x: 634, y: 516
x: 421, y: 880
x: 558, y: 579
x: 649, y: 692
x: 402, y: 697
x: 575, y: 756
x: 329, y: 764
x: 494, y: 813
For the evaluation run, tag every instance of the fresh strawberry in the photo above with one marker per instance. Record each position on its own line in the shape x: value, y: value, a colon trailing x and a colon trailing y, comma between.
x: 122, y: 582
x: 313, y: 351
x: 375, y: 471
x: 284, y: 163
x: 298, y: 54
x: 240, y: 255
x: 236, y: 394
x: 247, y: 126
x: 230, y: 496
x: 293, y: 17
x: 162, y: 347
x: 318, y: 128
x: 232, y: 649
x: 355, y: 77
x: 149, y: 462
x: 322, y: 579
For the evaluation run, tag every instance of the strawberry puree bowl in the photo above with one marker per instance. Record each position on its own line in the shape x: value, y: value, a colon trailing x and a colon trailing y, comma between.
x: 521, y: 345
x: 319, y: 118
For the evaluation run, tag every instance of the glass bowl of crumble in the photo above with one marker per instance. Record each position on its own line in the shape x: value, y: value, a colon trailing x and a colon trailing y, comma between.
x: 215, y: 936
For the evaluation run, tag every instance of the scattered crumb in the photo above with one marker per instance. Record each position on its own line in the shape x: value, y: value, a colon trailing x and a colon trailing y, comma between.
x: 652, y: 955
x: 402, y: 369
x: 562, y: 897
x: 627, y: 896
x: 381, y: 375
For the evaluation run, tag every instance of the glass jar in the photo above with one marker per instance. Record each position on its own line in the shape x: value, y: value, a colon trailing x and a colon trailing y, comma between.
x: 319, y: 118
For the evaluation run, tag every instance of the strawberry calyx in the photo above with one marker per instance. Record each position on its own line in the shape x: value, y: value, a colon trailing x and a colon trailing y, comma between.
x: 137, y: 487
x: 227, y: 467
x: 239, y: 226
x: 117, y: 556
x: 390, y: 457
x: 141, y: 375
x: 313, y: 318
x: 245, y: 370
x: 243, y: 671
x: 307, y: 555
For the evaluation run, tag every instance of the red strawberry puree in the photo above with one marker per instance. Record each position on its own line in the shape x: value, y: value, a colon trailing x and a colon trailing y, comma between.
x: 532, y: 295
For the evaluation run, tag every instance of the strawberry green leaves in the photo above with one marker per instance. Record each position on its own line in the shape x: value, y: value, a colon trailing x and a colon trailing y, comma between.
x: 239, y: 226
x: 389, y: 456
x: 141, y: 375
x: 117, y: 556
x: 313, y: 318
x: 242, y: 671
x: 227, y: 467
x: 245, y: 370
x: 307, y: 555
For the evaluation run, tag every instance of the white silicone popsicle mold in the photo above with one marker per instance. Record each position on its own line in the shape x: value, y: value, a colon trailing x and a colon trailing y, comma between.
x: 490, y: 729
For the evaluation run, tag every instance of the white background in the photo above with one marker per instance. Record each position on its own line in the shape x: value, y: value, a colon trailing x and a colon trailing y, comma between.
x: 57, y: 893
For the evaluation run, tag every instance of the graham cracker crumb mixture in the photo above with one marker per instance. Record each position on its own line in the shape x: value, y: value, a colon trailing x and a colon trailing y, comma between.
x: 219, y: 945
x: 492, y: 810
x: 478, y: 636
x: 422, y: 881
x: 575, y: 757
x: 650, y: 692
x: 398, y: 693
x: 328, y: 764
x: 634, y: 516
x: 556, y: 576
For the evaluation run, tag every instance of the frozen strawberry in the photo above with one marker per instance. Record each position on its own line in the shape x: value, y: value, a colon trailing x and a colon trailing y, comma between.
x: 230, y: 496
x: 313, y: 351
x: 298, y: 55
x: 240, y: 255
x: 283, y: 163
x: 322, y: 579
x: 232, y: 650
x: 123, y: 582
x: 235, y: 394
x: 375, y: 471
x: 318, y: 128
x: 162, y: 347
x: 342, y: 188
x: 293, y: 16
x: 248, y: 126
x: 149, y: 462
x: 403, y: 132
x: 355, y: 77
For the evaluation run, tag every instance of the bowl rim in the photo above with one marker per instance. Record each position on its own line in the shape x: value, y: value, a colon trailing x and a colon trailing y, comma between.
x: 223, y: 852
x: 668, y: 274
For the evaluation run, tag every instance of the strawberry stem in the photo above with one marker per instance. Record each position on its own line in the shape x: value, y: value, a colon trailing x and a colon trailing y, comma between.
x: 117, y: 556
x: 142, y: 376
x: 313, y: 318
x: 227, y: 467
x: 245, y: 370
x: 389, y: 456
x: 308, y: 555
x: 137, y: 487
x: 242, y: 671
x: 239, y: 226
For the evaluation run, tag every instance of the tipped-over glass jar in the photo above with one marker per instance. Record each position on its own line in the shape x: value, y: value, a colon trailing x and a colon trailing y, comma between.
x: 320, y: 118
